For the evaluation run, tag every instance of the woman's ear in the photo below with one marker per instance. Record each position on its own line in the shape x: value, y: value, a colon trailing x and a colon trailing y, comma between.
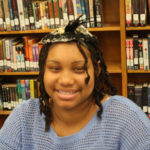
x: 98, y: 68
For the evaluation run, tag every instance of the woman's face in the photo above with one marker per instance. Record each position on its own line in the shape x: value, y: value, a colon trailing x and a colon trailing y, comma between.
x: 64, y: 76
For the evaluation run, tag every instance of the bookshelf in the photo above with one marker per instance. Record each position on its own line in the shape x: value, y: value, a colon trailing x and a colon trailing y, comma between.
x: 112, y: 42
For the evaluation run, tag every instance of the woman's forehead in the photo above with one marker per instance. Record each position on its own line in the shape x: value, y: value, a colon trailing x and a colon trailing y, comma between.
x: 68, y: 48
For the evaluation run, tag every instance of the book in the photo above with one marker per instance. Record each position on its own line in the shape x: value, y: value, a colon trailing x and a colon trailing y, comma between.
x: 11, y: 15
x: 16, y: 15
x: 51, y: 13
x: 138, y: 94
x: 135, y: 51
x: 145, y: 54
x: 31, y: 15
x: 141, y: 61
x: 7, y: 15
x: 143, y: 12
x: 128, y: 53
x: 65, y: 12
x: 145, y: 97
x: 86, y: 2
x: 61, y: 13
x: 31, y: 88
x: 91, y: 13
x: 21, y: 14
x: 131, y: 57
x: 70, y: 10
x: 131, y: 92
x: 98, y: 13
x: 1, y: 57
x: 56, y: 13
x: 1, y: 16
x: 148, y: 100
x: 128, y: 13
x: 136, y: 12
x: 27, y: 87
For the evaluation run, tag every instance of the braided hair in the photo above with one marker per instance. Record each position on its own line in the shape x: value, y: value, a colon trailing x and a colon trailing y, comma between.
x: 75, y: 32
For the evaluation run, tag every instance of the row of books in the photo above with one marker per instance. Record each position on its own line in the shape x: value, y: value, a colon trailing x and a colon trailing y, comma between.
x: 138, y: 52
x: 19, y: 54
x: 140, y: 94
x: 137, y: 12
x: 13, y: 94
x: 28, y: 14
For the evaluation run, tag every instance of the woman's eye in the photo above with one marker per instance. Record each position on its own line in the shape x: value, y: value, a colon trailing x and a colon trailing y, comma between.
x: 79, y: 69
x: 55, y: 69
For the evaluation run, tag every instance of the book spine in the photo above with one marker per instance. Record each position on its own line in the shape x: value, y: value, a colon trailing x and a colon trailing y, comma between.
x: 145, y: 97
x: 70, y: 10
x: 47, y: 18
x: 138, y: 94
x: 31, y: 15
x: 145, y: 54
x: 26, y: 16
x: 128, y: 53
x: 27, y: 86
x: 21, y: 14
x: 16, y: 16
x: 131, y: 54
x: 135, y: 52
x: 23, y: 90
x: 51, y: 13
x: 31, y: 88
x: 8, y: 57
x: 128, y: 13
x: 1, y: 16
x: 91, y: 12
x: 83, y: 11
x: 87, y: 13
x: 148, y: 37
x: 1, y: 57
x: 98, y: 19
x: 141, y: 61
x: 56, y: 13
x: 61, y: 13
x: 131, y: 92
x: 143, y: 12
x: 7, y: 15
x: 65, y: 14
x: 11, y: 15
x: 136, y: 9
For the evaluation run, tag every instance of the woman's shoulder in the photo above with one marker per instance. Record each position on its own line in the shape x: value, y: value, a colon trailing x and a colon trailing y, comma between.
x: 122, y: 108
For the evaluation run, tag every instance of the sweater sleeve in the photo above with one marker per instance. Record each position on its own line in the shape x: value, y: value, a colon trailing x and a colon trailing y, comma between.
x: 10, y: 133
x: 136, y: 131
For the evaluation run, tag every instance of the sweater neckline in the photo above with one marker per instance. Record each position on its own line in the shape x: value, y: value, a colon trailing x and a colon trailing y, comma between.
x: 80, y: 134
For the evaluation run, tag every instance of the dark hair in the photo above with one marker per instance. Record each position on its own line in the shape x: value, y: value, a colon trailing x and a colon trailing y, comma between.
x: 102, y: 84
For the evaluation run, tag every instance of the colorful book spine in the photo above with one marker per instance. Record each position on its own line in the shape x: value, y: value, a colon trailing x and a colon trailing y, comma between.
x: 91, y: 13
x: 65, y: 10
x: 131, y: 57
x: 1, y: 16
x: 16, y: 15
x: 11, y: 15
x: 27, y: 86
x: 98, y: 13
x: 51, y: 13
x: 87, y: 13
x: 128, y: 13
x: 136, y: 12
x: 7, y: 15
x: 56, y: 13
x: 21, y: 14
x: 143, y: 12
x: 31, y: 88
x: 61, y: 13
x: 135, y: 52
x: 128, y: 53
x: 70, y: 10
x: 145, y: 54
x: 141, y: 61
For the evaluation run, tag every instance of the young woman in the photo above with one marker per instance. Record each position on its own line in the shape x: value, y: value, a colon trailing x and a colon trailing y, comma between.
x: 77, y: 108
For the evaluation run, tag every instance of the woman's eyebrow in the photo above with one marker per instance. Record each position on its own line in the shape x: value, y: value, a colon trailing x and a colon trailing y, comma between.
x: 54, y: 61
x: 78, y: 61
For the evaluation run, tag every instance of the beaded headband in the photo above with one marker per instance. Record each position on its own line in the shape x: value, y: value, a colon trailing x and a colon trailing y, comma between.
x: 73, y: 31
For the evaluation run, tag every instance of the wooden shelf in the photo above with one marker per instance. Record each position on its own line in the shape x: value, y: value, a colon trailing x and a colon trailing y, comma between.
x: 114, y: 67
x: 138, y: 71
x: 138, y: 28
x: 106, y: 27
x: 18, y: 73
x: 5, y: 112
